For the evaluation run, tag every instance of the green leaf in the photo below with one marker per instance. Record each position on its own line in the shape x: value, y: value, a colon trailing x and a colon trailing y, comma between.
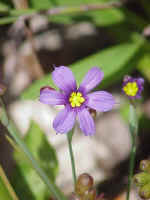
x: 115, y: 62
x: 40, y: 4
x: 101, y: 18
x: 144, y: 62
x: 5, y: 185
x: 31, y: 186
x: 7, y: 20
x: 122, y: 32
x: 4, y: 194
x: 3, y: 7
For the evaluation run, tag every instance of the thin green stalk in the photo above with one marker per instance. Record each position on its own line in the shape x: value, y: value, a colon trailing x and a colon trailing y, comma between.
x: 131, y: 167
x: 7, y: 184
x: 14, y: 133
x: 69, y: 138
x: 133, y: 124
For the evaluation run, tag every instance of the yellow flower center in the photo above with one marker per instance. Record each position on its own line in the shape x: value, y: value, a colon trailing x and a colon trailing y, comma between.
x: 76, y: 99
x: 131, y: 88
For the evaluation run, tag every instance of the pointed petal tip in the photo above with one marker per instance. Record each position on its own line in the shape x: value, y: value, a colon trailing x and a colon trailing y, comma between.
x: 64, y: 79
x: 93, y: 77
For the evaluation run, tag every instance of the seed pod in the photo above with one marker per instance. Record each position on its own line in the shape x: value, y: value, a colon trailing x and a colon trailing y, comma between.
x: 144, y: 191
x: 89, y: 194
x: 141, y: 179
x: 84, y: 183
x: 145, y: 165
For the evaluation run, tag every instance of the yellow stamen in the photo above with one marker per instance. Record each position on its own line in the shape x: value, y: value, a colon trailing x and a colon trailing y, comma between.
x: 76, y: 99
x: 131, y: 88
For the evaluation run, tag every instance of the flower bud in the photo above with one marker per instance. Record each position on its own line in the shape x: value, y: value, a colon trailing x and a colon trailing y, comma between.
x: 145, y: 165
x: 84, y: 183
x: 46, y: 88
x: 144, y: 191
x: 142, y: 178
x: 89, y: 194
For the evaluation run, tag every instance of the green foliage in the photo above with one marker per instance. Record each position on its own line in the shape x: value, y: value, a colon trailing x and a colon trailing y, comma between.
x: 4, y: 194
x: 31, y: 186
x: 6, y: 3
x: 146, y: 6
x: 52, y: 3
x: 40, y: 4
x: 7, y: 20
x: 3, y: 7
x: 101, y: 18
x: 114, y: 61
x: 144, y: 62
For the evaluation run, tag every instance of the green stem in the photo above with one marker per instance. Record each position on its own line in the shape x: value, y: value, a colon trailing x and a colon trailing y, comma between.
x: 14, y: 133
x: 69, y: 138
x: 7, y: 184
x: 131, y: 168
x: 133, y: 124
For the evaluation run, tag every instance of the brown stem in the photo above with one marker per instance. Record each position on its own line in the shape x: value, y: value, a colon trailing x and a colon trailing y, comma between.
x: 35, y: 67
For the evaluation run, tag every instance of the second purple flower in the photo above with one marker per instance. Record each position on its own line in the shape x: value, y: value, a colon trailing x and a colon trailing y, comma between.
x: 77, y: 101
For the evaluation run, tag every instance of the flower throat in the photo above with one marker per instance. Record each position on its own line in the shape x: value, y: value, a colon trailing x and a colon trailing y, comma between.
x: 76, y: 99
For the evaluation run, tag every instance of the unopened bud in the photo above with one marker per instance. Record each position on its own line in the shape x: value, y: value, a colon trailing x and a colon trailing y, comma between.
x: 144, y: 191
x: 145, y: 165
x: 142, y: 178
x: 46, y: 88
x: 89, y: 194
x: 2, y: 89
x: 84, y: 183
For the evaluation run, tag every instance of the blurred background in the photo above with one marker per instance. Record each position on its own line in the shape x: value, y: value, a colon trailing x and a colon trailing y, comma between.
x: 35, y: 36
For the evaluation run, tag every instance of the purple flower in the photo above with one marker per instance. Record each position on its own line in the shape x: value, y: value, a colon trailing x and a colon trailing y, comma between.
x: 77, y: 101
x: 133, y: 87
